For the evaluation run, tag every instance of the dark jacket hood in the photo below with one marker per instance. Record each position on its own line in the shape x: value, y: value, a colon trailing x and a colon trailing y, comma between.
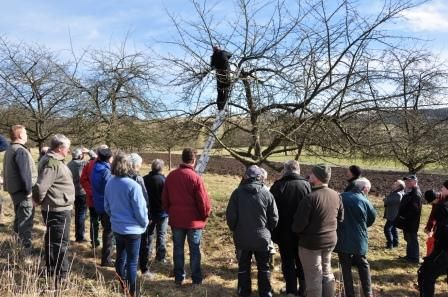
x: 252, y: 186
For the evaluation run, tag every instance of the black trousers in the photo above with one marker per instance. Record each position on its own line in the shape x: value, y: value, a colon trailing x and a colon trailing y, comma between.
x: 264, y: 275
x: 349, y: 260
x: 57, y: 238
x: 108, y: 235
x: 432, y: 267
x: 223, y: 88
x: 291, y: 266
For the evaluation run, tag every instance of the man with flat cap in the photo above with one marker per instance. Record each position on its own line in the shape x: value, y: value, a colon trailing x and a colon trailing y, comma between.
x: 408, y: 218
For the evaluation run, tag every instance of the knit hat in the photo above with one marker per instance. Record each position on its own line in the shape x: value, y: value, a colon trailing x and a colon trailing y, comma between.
x: 430, y: 196
x: 253, y: 171
x: 355, y: 170
x: 76, y: 153
x: 322, y: 172
x: 104, y: 154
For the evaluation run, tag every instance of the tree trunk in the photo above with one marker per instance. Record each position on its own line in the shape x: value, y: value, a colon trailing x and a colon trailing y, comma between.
x: 169, y: 159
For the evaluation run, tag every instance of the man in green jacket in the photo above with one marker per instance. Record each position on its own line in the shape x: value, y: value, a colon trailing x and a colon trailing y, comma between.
x: 315, y: 222
x: 55, y: 192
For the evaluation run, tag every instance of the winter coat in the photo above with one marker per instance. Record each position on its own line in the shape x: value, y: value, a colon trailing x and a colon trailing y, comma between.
x: 54, y: 188
x: 101, y: 174
x: 154, y: 183
x: 76, y: 167
x: 185, y: 199
x: 288, y: 191
x: 359, y: 214
x: 85, y: 182
x: 125, y: 204
x: 408, y: 218
x: 317, y: 217
x: 138, y: 179
x: 19, y: 171
x: 252, y: 215
x: 441, y: 217
x: 392, y: 205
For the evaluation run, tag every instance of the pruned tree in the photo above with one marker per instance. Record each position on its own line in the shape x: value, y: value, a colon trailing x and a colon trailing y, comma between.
x: 294, y: 68
x: 116, y: 85
x: 34, y: 86
x: 415, y: 122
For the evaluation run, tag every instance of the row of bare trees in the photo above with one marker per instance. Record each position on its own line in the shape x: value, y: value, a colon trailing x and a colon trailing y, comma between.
x: 319, y: 76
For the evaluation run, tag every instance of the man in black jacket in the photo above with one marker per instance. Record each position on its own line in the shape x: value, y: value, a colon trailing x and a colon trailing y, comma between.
x: 158, y: 218
x: 436, y: 263
x: 220, y: 62
x: 252, y: 215
x: 288, y: 191
x: 408, y: 218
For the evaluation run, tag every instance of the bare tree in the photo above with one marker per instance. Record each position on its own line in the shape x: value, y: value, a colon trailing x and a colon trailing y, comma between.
x: 33, y: 84
x: 415, y: 122
x: 116, y: 86
x: 294, y: 67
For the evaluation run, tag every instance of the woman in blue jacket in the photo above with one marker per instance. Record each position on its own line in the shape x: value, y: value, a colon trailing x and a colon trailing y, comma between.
x: 125, y: 204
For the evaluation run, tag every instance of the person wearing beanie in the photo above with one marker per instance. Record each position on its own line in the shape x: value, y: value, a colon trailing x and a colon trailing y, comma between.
x: 76, y: 165
x: 315, y: 223
x: 408, y: 218
x: 353, y: 173
x: 101, y: 174
x: 436, y: 264
x: 391, y: 207
x: 252, y: 215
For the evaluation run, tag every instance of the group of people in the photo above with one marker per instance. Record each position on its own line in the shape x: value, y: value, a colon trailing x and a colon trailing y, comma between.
x: 130, y: 208
x: 308, y: 220
x: 305, y: 217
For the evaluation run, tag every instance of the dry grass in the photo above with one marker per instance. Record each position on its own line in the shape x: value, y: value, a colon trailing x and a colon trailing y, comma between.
x: 390, y: 276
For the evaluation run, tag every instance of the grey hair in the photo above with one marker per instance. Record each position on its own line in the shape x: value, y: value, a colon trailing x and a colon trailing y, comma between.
x: 362, y: 183
x: 292, y: 166
x: 135, y: 160
x: 122, y: 165
x: 59, y: 140
x: 157, y: 165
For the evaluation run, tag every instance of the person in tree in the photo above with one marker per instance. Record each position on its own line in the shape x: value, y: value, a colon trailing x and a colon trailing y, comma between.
x: 220, y: 62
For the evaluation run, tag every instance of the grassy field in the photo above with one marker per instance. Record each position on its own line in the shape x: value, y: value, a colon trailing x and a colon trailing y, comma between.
x: 390, y: 276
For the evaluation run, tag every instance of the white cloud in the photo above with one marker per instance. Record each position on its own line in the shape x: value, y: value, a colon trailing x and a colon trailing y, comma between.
x: 429, y: 17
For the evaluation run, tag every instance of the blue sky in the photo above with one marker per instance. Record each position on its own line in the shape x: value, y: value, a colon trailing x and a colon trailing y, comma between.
x: 100, y: 23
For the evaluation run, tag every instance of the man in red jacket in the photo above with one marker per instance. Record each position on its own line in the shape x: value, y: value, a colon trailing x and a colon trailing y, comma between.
x: 188, y: 205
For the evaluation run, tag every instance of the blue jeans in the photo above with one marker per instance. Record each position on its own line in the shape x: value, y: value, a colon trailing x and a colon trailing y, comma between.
x: 412, y: 248
x: 160, y: 225
x: 80, y: 217
x: 128, y: 247
x: 391, y: 234
x: 194, y: 242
